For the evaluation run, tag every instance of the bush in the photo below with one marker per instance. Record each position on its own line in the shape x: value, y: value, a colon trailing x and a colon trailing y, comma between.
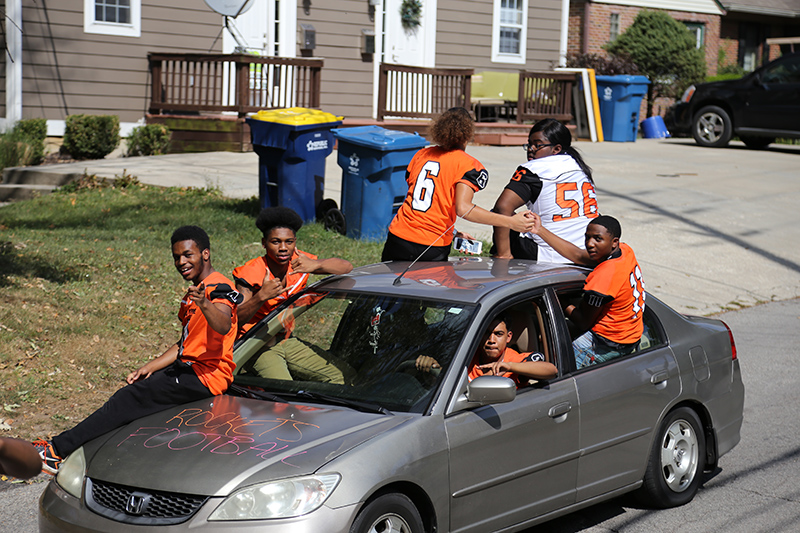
x: 23, y: 145
x: 665, y: 51
x: 151, y: 139
x: 91, y: 136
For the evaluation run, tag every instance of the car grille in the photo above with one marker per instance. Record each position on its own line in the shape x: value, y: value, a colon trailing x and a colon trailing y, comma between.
x: 143, y: 507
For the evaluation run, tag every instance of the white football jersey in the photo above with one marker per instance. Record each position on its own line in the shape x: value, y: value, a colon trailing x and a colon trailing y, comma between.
x: 566, y: 200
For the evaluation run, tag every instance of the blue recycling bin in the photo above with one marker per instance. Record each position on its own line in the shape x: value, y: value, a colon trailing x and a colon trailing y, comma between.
x: 292, y: 145
x: 373, y: 161
x: 620, y: 98
x: 654, y: 128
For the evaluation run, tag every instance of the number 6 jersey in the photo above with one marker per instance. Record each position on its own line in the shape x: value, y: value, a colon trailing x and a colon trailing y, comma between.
x: 429, y: 208
x: 555, y: 188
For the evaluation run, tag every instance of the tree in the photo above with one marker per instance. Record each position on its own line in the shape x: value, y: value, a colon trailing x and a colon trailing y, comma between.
x: 665, y: 52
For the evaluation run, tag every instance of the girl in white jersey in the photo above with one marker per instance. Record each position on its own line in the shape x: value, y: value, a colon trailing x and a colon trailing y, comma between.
x: 555, y: 183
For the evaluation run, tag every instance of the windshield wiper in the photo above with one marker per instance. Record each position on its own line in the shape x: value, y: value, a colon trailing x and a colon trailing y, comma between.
x: 364, y: 407
x: 248, y: 392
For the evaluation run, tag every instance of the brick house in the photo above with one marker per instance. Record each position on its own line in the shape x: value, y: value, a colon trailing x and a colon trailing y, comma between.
x: 593, y: 23
x: 747, y: 25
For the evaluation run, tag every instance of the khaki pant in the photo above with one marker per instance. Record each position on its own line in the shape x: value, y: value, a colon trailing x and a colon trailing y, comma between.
x: 293, y: 359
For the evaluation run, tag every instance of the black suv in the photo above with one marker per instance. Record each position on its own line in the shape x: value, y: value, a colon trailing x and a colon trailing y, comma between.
x: 757, y: 108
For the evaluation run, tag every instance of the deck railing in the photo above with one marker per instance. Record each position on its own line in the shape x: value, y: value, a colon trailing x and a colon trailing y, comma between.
x: 418, y: 92
x: 239, y: 83
x: 545, y: 95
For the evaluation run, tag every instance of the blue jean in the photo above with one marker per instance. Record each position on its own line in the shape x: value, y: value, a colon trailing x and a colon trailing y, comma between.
x: 590, y: 348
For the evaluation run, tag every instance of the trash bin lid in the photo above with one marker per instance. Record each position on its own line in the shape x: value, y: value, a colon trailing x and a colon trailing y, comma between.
x: 295, y: 116
x: 379, y: 138
x: 623, y: 79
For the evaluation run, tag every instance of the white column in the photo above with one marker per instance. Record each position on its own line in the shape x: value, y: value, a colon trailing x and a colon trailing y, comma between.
x: 13, y: 63
x: 563, y: 43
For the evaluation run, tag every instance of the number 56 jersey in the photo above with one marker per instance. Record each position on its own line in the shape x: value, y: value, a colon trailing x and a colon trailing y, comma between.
x: 429, y: 208
x: 557, y: 190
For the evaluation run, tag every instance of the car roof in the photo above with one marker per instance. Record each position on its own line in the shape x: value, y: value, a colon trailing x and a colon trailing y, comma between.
x: 460, y: 279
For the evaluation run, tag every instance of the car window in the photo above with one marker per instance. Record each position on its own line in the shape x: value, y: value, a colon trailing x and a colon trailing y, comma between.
x: 652, y: 334
x: 783, y: 72
x: 531, y: 337
x: 354, y: 346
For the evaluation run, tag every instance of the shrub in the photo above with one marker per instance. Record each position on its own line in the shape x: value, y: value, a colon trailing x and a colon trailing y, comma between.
x: 24, y: 144
x: 91, y: 136
x: 151, y: 139
x: 664, y: 50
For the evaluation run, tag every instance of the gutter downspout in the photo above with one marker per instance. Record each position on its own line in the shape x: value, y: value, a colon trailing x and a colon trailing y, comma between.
x: 564, y: 40
x: 13, y: 64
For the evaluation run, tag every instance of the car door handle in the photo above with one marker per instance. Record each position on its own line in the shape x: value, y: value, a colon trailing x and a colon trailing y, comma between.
x: 559, y: 409
x: 659, y: 377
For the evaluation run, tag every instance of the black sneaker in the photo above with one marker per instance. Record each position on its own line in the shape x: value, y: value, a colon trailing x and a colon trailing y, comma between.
x: 50, y: 460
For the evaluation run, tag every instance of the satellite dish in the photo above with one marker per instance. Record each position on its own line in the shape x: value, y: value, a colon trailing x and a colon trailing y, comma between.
x: 230, y: 8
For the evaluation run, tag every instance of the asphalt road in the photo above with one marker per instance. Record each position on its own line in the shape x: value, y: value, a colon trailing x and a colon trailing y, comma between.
x: 754, y: 490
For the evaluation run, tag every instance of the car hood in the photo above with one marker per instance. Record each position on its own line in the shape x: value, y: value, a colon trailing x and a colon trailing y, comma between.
x: 214, y: 446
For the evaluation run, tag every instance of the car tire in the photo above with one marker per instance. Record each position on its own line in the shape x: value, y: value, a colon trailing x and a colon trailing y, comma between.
x: 756, y: 143
x: 677, y: 459
x: 392, y: 512
x: 712, y: 127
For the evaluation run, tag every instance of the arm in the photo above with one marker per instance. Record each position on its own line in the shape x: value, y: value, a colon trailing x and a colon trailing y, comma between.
x: 332, y: 265
x: 162, y: 361
x: 253, y: 301
x: 565, y: 248
x: 583, y: 316
x: 506, y: 204
x: 218, y: 315
x: 531, y: 369
x: 469, y: 211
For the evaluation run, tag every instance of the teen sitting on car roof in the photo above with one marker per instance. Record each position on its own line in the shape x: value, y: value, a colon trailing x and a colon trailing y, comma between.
x: 198, y: 366
x: 608, y: 320
x: 282, y: 271
x: 495, y: 358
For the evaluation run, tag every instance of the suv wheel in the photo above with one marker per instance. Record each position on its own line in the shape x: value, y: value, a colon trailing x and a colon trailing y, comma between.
x: 712, y: 127
x: 756, y: 143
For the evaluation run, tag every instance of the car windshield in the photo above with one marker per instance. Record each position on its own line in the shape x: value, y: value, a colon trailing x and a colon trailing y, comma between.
x: 359, y: 348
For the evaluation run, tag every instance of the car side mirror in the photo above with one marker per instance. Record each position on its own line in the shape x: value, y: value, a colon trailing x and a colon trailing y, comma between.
x: 485, y: 390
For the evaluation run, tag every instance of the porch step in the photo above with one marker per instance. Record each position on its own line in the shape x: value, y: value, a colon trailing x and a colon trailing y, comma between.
x: 205, y: 133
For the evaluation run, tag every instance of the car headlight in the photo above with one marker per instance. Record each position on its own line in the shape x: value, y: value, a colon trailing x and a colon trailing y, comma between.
x: 688, y: 93
x: 71, y: 473
x: 277, y: 499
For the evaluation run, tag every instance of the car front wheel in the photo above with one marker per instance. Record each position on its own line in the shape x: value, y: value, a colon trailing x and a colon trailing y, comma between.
x: 675, y: 468
x: 390, y: 513
x: 712, y: 127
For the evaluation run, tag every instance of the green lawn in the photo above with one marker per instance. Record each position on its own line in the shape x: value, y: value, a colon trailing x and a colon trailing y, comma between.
x: 89, y: 291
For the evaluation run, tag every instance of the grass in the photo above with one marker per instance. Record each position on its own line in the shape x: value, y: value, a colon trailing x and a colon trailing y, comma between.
x: 89, y: 291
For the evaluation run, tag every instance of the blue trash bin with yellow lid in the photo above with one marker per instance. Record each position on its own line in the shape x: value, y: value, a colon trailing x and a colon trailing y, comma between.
x: 292, y: 144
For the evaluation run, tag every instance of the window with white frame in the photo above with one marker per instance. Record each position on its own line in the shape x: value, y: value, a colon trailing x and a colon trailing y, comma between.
x: 509, y: 31
x: 613, y: 26
x: 697, y: 29
x: 113, y: 17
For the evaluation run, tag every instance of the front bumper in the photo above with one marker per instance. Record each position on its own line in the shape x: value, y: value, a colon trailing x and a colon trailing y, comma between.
x: 60, y: 511
x: 678, y: 118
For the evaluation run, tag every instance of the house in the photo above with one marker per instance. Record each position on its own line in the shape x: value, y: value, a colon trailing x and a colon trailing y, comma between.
x: 593, y: 23
x: 748, y: 24
x: 91, y: 56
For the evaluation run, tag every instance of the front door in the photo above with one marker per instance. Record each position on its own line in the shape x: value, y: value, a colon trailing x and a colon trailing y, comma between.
x: 412, y: 46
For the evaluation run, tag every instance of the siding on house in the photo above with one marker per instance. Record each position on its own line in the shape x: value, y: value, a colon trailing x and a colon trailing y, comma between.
x: 346, y: 76
x: 103, y: 74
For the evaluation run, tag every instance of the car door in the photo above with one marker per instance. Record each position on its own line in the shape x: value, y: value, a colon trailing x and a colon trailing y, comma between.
x: 773, y: 101
x: 513, y: 461
x: 621, y: 403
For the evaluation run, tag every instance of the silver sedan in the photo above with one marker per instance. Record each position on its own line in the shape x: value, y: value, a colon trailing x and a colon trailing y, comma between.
x: 333, y: 425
